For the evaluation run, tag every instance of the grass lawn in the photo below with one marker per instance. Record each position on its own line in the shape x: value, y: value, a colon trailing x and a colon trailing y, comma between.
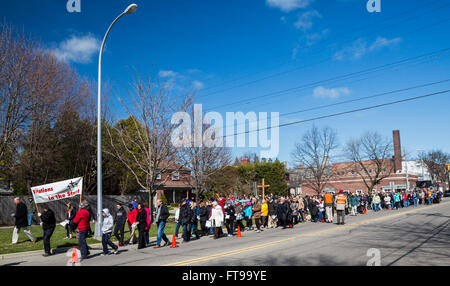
x: 57, y: 240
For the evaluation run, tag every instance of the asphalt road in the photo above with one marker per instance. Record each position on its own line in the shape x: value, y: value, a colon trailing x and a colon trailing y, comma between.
x: 412, y: 236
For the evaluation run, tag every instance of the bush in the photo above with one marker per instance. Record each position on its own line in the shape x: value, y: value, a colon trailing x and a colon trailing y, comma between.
x: 164, y: 199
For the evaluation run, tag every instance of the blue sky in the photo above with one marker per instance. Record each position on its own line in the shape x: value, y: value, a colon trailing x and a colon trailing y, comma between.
x: 234, y: 50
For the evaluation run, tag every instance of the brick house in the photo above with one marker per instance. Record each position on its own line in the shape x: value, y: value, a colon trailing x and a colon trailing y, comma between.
x: 174, y: 183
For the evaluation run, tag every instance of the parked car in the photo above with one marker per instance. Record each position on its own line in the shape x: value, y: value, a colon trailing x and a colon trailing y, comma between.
x: 447, y: 193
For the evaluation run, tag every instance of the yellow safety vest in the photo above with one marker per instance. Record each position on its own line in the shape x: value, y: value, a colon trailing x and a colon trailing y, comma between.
x: 341, y: 199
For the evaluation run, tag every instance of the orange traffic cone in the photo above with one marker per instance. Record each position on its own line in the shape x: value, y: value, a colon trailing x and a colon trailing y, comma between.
x: 174, y: 242
x: 364, y: 211
x: 321, y: 220
x: 74, y: 255
x: 389, y: 207
x: 239, y: 234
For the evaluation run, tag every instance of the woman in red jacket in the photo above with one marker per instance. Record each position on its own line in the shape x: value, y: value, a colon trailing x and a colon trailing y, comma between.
x: 82, y: 220
x: 132, y: 224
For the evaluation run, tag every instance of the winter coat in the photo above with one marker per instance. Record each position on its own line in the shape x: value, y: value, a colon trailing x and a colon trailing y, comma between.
x: 280, y: 211
x: 301, y: 204
x: 185, y: 214
x: 148, y: 218
x: 21, y: 215
x: 132, y: 216
x: 256, y: 209
x: 108, y: 222
x: 248, y: 211
x: 163, y: 213
x: 272, y: 208
x: 264, y: 209
x: 141, y: 217
x: 230, y: 213
x: 217, y: 216
x: 82, y: 219
x: 203, y: 213
x: 48, y: 219
x: 121, y: 216
x: 287, y: 214
x: 294, y: 208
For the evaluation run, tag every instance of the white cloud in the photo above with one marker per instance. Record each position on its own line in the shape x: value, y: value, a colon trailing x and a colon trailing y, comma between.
x: 360, y: 47
x: 381, y: 42
x: 305, y: 20
x: 288, y: 5
x: 78, y: 49
x: 198, y: 85
x: 323, y: 92
x: 167, y: 73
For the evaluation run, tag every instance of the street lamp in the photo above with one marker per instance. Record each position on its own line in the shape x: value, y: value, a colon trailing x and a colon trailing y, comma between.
x: 129, y: 10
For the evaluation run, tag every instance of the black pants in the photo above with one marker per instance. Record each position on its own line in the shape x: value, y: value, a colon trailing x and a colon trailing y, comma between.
x: 249, y: 222
x: 205, y: 231
x: 240, y: 225
x: 141, y: 239
x: 258, y: 223
x: 47, y: 235
x: 186, y: 232
x: 118, y: 232
x: 229, y: 223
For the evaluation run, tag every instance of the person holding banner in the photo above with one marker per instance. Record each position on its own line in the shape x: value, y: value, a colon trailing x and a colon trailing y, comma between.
x: 21, y: 217
x: 48, y: 226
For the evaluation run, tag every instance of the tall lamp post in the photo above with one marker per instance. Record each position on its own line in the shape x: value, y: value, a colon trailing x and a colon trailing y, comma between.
x: 98, y: 225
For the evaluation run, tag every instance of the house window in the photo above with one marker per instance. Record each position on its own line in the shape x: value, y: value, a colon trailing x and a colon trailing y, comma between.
x: 175, y: 176
x: 158, y: 175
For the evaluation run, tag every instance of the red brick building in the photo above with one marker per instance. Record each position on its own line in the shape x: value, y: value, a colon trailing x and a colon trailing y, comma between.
x: 345, y: 177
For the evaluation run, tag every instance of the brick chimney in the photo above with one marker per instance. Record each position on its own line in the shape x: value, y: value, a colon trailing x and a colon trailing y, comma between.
x: 245, y: 161
x: 397, y: 151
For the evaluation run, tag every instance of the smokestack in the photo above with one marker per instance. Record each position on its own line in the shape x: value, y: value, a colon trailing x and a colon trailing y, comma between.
x: 397, y: 151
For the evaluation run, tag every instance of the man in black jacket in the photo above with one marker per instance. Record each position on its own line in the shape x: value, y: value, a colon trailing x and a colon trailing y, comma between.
x: 48, y: 226
x: 162, y: 214
x: 185, y: 219
x: 120, y: 220
x: 21, y: 217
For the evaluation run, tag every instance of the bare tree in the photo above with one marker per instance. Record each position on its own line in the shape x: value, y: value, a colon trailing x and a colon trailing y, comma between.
x: 436, y: 161
x: 313, y: 153
x: 145, y: 147
x: 371, y: 157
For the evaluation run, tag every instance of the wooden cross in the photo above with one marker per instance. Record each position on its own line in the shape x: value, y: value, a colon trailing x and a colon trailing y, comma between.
x: 263, y: 186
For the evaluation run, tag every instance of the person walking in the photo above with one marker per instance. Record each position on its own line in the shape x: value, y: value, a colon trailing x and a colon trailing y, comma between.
x: 256, y: 210
x: 131, y: 219
x: 353, y: 204
x: 107, y: 228
x: 387, y: 202
x: 31, y: 211
x: 21, y: 221
x: 193, y: 227
x: 248, y: 213
x: 48, y: 227
x: 149, y: 223
x: 217, y: 218
x: 120, y: 219
x: 162, y: 214
x: 204, y: 215
x: 230, y: 217
x: 329, y: 206
x: 82, y: 220
x: 141, y: 221
x: 341, y: 201
x: 70, y: 215
x: 185, y: 220
x: 92, y: 216
x: 272, y: 216
x: 397, y: 200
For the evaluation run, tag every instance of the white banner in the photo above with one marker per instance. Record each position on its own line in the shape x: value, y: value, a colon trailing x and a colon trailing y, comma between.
x: 57, y: 191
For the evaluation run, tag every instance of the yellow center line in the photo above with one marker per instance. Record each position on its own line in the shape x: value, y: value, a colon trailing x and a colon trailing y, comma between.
x: 264, y: 245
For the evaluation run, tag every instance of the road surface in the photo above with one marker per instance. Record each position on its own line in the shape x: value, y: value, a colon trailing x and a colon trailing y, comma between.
x: 411, y: 236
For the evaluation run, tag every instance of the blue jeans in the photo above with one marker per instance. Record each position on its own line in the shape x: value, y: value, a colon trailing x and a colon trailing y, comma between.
x: 31, y: 219
x: 415, y: 202
x: 82, y: 243
x: 320, y: 217
x: 406, y: 203
x: 106, y: 240
x: 177, y: 228
x: 161, y: 235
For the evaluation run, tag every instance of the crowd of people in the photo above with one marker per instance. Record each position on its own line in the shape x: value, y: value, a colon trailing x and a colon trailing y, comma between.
x: 210, y: 216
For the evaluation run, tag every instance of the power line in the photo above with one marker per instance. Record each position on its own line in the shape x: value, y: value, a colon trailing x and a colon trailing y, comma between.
x: 324, y: 60
x: 343, y: 113
x: 349, y: 75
